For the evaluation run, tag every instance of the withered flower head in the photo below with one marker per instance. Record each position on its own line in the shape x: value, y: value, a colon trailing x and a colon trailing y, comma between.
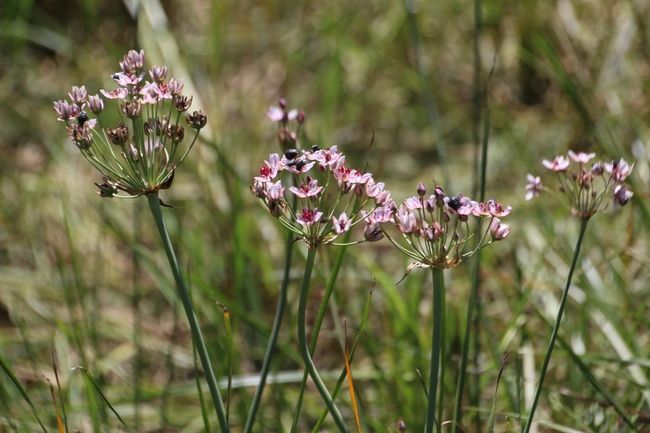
x: 119, y: 135
x: 197, y: 120
x: 182, y: 103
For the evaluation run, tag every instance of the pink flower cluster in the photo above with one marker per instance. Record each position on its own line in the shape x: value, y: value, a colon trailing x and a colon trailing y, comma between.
x: 584, y: 196
x: 329, y: 196
x: 436, y: 228
x: 147, y: 143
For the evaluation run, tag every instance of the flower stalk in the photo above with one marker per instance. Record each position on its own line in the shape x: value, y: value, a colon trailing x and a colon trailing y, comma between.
x: 556, y: 327
x: 436, y: 346
x: 304, y: 347
x: 156, y: 211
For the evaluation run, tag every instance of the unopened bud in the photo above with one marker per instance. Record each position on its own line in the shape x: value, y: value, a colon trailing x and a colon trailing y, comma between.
x: 373, y: 232
x: 301, y: 117
x: 421, y: 189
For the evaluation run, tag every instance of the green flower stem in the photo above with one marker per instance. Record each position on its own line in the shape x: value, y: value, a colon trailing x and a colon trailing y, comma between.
x: 304, y: 349
x: 156, y: 210
x: 279, y: 314
x: 436, y: 345
x: 556, y: 328
x: 462, y: 373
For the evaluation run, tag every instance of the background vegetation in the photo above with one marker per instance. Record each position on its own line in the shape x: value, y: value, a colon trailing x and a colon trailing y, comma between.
x: 86, y: 277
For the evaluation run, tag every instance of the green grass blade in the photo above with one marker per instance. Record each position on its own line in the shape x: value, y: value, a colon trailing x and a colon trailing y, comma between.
x: 22, y: 390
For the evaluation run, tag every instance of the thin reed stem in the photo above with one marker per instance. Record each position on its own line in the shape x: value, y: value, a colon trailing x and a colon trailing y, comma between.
x: 304, y: 348
x: 556, y: 327
x: 156, y: 210
x: 436, y: 345
x: 279, y: 314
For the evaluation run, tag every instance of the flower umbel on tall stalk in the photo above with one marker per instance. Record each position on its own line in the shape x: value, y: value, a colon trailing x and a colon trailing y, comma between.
x: 435, y: 231
x: 137, y: 155
x: 329, y: 199
x: 331, y: 196
x: 582, y: 191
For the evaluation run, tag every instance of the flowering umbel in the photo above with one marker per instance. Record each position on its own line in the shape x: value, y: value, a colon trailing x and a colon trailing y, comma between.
x: 330, y: 196
x: 584, y: 193
x: 436, y: 229
x: 136, y: 155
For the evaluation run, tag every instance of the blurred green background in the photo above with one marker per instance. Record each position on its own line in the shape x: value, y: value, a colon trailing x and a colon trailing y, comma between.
x: 86, y: 276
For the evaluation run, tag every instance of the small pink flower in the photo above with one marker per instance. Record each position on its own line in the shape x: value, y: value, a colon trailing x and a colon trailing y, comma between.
x: 276, y: 114
x: 96, y: 104
x: 374, y: 189
x: 413, y: 203
x: 310, y: 189
x: 382, y: 214
x: 534, y: 186
x: 330, y: 157
x: 581, y: 157
x: 274, y: 191
x: 560, y: 163
x: 619, y: 170
x: 127, y: 79
x: 119, y: 93
x: 497, y: 209
x: 270, y: 168
x: 78, y: 94
x: 309, y: 217
x: 342, y: 224
x: 157, y: 73
x: 621, y: 196
x: 499, y: 231
x: 66, y: 111
x: 407, y: 223
x: 175, y: 87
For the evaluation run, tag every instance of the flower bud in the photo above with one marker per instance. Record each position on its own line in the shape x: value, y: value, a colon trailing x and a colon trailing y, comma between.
x: 373, y: 232
x: 96, y: 104
x: 277, y: 208
x: 421, y: 189
x: 301, y: 117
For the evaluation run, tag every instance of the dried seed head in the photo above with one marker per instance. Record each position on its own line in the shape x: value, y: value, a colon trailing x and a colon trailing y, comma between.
x: 182, y: 103
x: 80, y: 135
x: 119, y: 135
x: 107, y: 189
x: 176, y: 133
x: 197, y: 120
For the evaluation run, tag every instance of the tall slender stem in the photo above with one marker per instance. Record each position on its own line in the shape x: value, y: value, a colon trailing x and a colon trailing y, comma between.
x: 183, y: 293
x: 436, y: 345
x: 556, y: 328
x: 304, y: 348
x: 279, y: 314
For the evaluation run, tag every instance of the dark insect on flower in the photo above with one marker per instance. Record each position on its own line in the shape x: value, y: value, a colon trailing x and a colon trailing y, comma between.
x: 315, y: 148
x: 291, y: 154
x: 454, y: 203
x: 300, y: 164
x: 82, y: 118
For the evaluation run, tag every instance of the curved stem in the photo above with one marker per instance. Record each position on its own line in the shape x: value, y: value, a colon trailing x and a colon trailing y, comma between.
x: 436, y: 344
x: 304, y: 349
x: 556, y: 328
x: 183, y: 293
x: 279, y: 314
